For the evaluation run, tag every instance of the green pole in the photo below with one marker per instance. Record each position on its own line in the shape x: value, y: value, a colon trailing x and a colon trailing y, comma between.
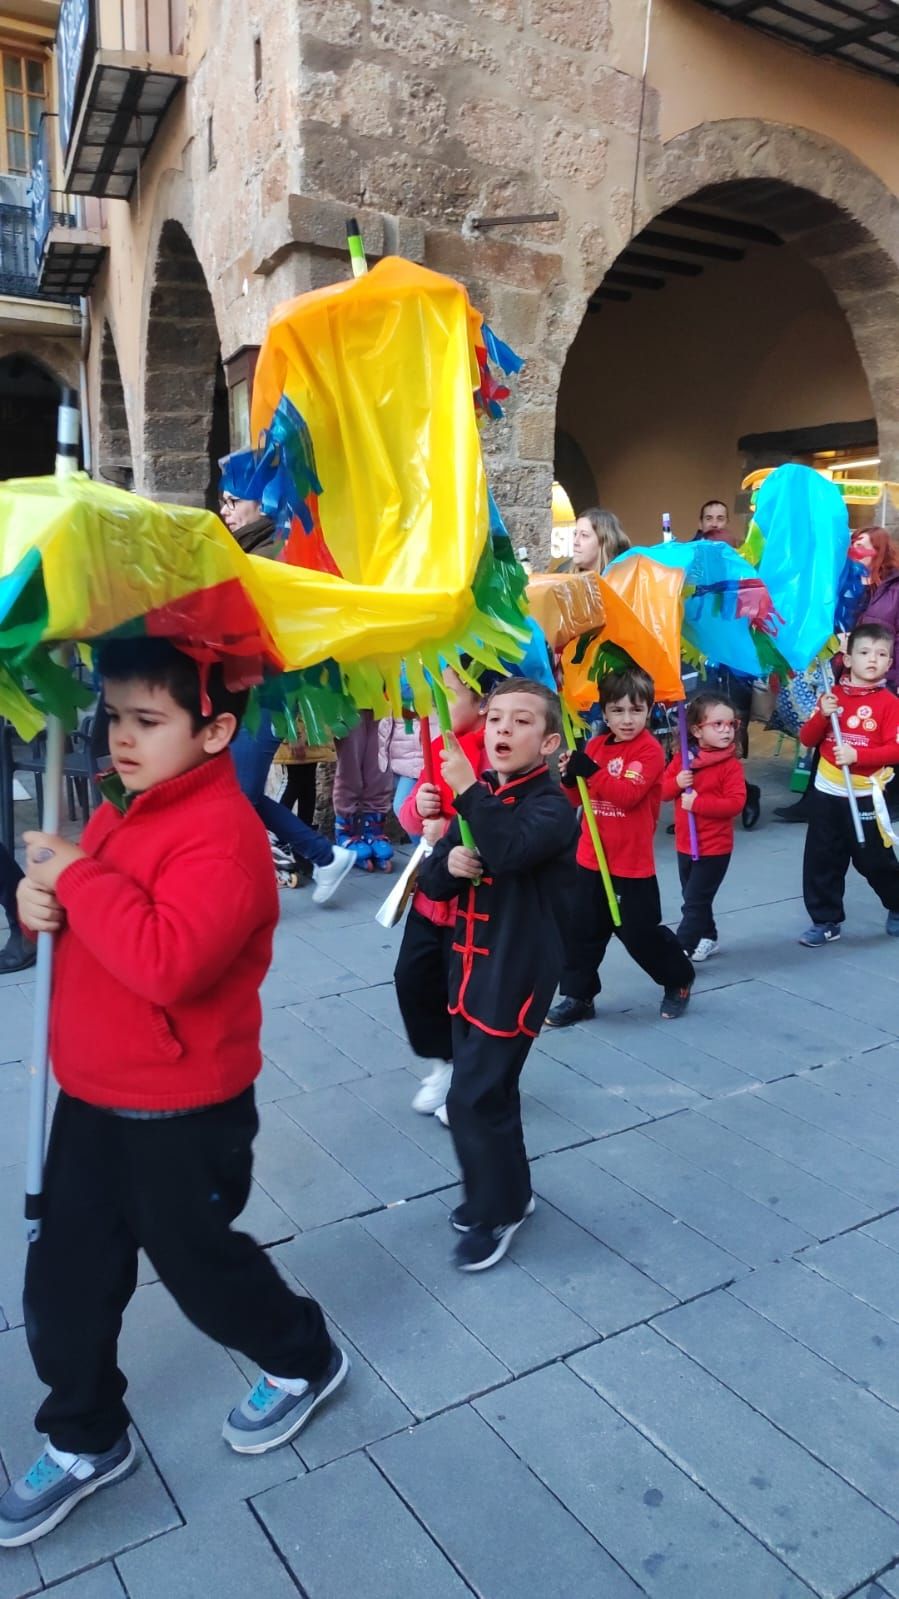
x: 592, y: 828
x: 356, y: 248
x: 441, y: 706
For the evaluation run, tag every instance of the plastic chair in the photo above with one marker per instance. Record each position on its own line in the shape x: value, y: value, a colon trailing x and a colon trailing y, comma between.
x: 86, y: 749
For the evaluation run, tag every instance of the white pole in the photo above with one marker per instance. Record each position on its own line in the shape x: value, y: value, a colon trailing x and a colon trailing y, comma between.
x: 66, y: 463
x: 827, y: 679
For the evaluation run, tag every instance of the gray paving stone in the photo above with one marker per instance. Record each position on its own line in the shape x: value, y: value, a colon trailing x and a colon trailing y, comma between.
x: 861, y: 1265
x: 390, y: 1094
x: 17, y: 1025
x: 663, y: 1529
x: 371, y: 952
x: 12, y: 1243
x: 856, y: 1339
x: 581, y: 1102
x: 272, y: 1084
x: 822, y: 1529
x: 390, y: 1555
x: 644, y: 1035
x: 829, y: 1415
x: 365, y: 1041
x: 308, y: 955
x: 807, y: 1031
x: 586, y: 1048
x: 19, y: 1575
x: 522, y: 1323
x: 423, y: 1353
x: 810, y: 1148
x: 390, y: 1165
x: 265, y: 1220
x: 304, y: 1056
x: 545, y: 1131
x: 101, y: 1583
x: 501, y: 1528
x: 181, y: 1387
x: 885, y: 1230
x: 226, y: 1554
x: 301, y: 1177
x: 888, y: 1584
x: 868, y: 995
x: 381, y: 1004
x: 810, y: 1098
x: 672, y: 1255
x: 818, y: 1207
x: 13, y: 1112
x: 719, y: 1212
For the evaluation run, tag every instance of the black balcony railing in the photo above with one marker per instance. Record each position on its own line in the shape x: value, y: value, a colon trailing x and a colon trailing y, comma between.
x: 18, y: 267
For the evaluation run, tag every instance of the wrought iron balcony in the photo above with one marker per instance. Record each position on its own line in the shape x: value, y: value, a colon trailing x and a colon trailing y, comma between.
x: 120, y: 64
x: 860, y: 33
x: 18, y: 263
x: 69, y: 242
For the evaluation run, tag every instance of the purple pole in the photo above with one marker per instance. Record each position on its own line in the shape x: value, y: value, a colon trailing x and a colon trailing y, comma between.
x: 685, y: 764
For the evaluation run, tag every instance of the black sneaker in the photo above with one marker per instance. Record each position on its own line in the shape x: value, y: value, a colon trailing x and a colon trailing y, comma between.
x: 463, y: 1221
x: 56, y: 1483
x: 674, y: 1003
x: 482, y: 1246
x: 18, y: 953
x: 570, y: 1010
x: 269, y: 1415
x: 752, y: 810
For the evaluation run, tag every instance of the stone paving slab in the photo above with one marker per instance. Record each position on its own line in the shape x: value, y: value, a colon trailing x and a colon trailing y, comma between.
x: 642, y: 1233
x: 746, y: 1229
x: 304, y: 1055
x: 397, y: 1324
x: 389, y: 1165
x: 811, y: 1098
x: 824, y: 1531
x: 302, y: 1178
x: 226, y: 1555
x: 654, y: 1520
x: 390, y: 1555
x: 861, y: 1265
x: 842, y: 1425
x: 499, y: 1526
x: 589, y: 1049
x: 101, y: 1583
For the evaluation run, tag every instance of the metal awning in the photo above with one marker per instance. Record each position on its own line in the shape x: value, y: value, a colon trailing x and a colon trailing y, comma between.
x: 860, y: 33
x: 125, y: 99
x: 71, y: 260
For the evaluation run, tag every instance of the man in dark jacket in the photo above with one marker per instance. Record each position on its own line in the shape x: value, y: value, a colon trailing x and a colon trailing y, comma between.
x: 514, y: 889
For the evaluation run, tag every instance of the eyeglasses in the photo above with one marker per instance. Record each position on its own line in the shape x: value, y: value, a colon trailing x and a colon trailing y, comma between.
x: 721, y: 727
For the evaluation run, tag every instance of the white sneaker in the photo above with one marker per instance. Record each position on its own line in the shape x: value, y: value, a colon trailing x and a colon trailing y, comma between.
x: 442, y: 1115
x: 328, y: 878
x: 434, y: 1089
x: 705, y: 948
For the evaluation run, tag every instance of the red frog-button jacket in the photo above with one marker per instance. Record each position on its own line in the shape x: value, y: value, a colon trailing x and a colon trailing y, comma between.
x: 508, y: 950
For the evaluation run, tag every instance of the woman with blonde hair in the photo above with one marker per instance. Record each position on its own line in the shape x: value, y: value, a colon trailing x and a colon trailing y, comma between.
x: 598, y: 538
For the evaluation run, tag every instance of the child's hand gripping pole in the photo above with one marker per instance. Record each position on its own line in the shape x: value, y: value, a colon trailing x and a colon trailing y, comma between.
x: 827, y: 680
x: 685, y: 766
x: 441, y: 706
x: 592, y: 828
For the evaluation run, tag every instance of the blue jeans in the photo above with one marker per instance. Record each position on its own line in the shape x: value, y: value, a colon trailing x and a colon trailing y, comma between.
x: 253, y: 754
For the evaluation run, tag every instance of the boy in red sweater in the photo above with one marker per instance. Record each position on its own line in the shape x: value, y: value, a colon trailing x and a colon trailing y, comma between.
x: 713, y: 789
x: 421, y: 976
x: 164, y: 919
x: 623, y: 772
x: 868, y: 746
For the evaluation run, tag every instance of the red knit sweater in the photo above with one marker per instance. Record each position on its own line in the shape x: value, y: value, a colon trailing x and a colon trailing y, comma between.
x: 720, y: 789
x: 869, y: 720
x: 626, y: 794
x: 168, y: 936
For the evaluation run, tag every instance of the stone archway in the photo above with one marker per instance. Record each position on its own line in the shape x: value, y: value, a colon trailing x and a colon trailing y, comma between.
x: 183, y: 382
x: 114, y: 461
x: 840, y: 226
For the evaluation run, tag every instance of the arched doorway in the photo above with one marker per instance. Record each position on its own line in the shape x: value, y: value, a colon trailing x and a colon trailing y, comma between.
x: 185, y: 398
x: 29, y: 401
x: 114, y: 462
x: 753, y: 316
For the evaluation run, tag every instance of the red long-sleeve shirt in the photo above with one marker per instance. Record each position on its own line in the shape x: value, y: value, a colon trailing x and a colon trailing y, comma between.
x: 441, y: 912
x: 168, y: 935
x: 625, y: 794
x: 720, y: 789
x: 869, y: 721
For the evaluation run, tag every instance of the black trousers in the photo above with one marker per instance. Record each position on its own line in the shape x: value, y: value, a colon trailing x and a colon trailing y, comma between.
x: 484, y: 1109
x: 590, y: 927
x: 10, y: 873
x: 173, y: 1186
x: 700, y: 881
x: 830, y: 847
x: 299, y: 792
x: 421, y: 978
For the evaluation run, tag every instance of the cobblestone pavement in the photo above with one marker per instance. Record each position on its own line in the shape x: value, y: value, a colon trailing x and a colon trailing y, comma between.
x: 683, y: 1382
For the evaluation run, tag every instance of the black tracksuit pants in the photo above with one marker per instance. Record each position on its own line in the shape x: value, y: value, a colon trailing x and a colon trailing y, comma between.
x: 590, y: 927
x: 700, y: 881
x: 10, y: 873
x: 174, y: 1186
x: 830, y: 848
x: 484, y: 1109
x: 421, y: 978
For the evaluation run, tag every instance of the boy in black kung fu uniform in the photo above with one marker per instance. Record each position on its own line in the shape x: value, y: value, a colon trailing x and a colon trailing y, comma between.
x: 513, y: 891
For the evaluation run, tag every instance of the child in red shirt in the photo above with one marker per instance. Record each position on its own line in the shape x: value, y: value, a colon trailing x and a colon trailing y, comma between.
x: 713, y: 789
x: 623, y: 772
x: 163, y: 920
x: 868, y: 746
x: 421, y: 975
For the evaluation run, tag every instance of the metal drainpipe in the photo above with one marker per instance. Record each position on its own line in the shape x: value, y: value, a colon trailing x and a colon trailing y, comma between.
x: 82, y: 365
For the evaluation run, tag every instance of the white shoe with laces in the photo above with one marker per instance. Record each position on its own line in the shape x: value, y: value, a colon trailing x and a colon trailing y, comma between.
x: 434, y: 1089
x: 705, y: 949
x: 328, y: 878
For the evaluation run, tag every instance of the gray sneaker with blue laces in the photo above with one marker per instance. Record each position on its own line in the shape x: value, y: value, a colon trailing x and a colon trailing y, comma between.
x: 56, y: 1483
x: 269, y: 1415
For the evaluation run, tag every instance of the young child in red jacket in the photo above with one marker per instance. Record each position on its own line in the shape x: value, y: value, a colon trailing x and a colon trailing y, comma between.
x: 421, y: 976
x: 623, y: 772
x: 163, y: 920
x: 868, y: 748
x: 713, y: 790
